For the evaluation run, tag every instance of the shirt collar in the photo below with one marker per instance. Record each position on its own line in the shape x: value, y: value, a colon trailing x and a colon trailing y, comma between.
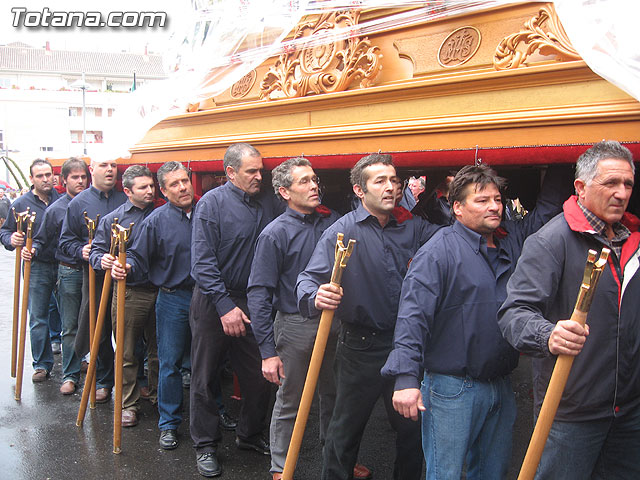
x: 100, y: 193
x: 600, y: 226
x: 305, y: 217
x: 180, y: 211
x: 362, y: 214
x: 241, y: 194
x: 474, y: 239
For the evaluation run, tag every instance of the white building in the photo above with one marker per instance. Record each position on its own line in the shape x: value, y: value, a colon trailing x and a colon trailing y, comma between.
x: 41, y: 104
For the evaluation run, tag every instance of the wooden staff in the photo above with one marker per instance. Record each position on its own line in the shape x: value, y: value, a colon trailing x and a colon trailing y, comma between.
x: 342, y: 256
x: 123, y: 236
x: 91, y: 228
x: 20, y: 218
x: 25, y: 303
x: 561, y: 370
x: 90, y: 379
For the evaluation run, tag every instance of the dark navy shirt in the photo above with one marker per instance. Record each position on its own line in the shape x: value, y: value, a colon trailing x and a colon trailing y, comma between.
x: 74, y: 234
x: 447, y: 319
x: 161, y: 249
x: 127, y: 213
x: 373, y: 277
x: 49, y: 232
x: 226, y: 224
x: 282, y: 251
x: 32, y: 201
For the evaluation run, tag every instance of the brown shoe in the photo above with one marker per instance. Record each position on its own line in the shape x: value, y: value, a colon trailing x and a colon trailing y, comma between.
x: 360, y: 472
x: 68, y: 387
x: 84, y: 366
x: 129, y: 418
x: 40, y: 375
x: 145, y: 393
x: 103, y: 395
x: 277, y: 475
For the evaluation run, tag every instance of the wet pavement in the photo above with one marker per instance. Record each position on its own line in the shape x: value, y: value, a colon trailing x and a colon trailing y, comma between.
x: 39, y: 438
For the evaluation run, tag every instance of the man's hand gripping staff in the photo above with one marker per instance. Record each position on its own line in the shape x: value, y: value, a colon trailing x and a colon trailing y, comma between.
x: 330, y: 295
x: 563, y: 337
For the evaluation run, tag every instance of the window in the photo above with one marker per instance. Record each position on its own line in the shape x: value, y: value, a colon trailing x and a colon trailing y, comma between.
x: 46, y: 149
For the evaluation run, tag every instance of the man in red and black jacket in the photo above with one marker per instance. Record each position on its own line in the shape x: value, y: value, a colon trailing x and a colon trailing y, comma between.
x: 597, y: 426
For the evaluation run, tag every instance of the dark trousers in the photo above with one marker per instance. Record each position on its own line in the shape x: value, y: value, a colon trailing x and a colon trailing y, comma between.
x: 104, y: 371
x: 360, y: 355
x: 208, y: 347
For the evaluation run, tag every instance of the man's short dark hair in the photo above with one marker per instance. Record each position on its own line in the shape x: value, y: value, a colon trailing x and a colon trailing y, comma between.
x: 169, y: 167
x: 71, y: 164
x: 235, y: 153
x: 587, y: 164
x: 36, y: 163
x: 133, y: 172
x: 281, y: 175
x: 358, y: 176
x: 481, y: 175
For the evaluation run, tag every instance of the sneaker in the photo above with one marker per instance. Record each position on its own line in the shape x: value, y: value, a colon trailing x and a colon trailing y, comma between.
x: 40, y: 375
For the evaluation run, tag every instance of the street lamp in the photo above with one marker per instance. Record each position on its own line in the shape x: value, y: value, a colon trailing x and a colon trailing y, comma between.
x: 82, y: 85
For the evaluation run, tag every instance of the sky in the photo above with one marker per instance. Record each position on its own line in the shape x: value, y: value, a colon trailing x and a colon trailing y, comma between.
x: 98, y: 38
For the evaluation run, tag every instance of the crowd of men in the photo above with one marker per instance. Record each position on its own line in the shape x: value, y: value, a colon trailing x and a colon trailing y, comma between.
x: 430, y: 315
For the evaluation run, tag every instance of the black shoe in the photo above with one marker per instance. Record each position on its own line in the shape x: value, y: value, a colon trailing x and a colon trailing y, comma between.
x: 258, y: 444
x: 168, y: 439
x: 56, y: 348
x: 227, y: 422
x: 208, y: 465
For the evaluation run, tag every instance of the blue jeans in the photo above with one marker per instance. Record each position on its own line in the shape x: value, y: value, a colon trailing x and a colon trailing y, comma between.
x: 467, y: 419
x: 598, y: 449
x: 69, y: 297
x: 174, y: 338
x: 55, y: 325
x: 41, y: 284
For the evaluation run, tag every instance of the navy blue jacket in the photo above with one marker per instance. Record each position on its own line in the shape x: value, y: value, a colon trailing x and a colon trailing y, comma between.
x: 161, y: 250
x: 32, y: 201
x: 127, y: 213
x: 74, y: 234
x: 226, y: 224
x: 447, y: 320
x: 373, y: 277
x: 282, y: 251
x: 48, y: 234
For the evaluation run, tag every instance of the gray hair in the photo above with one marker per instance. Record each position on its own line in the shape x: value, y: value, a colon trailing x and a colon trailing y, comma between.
x: 281, y: 175
x: 587, y: 164
x: 169, y: 167
x: 235, y: 153
x: 358, y: 176
x: 71, y: 164
x: 133, y: 172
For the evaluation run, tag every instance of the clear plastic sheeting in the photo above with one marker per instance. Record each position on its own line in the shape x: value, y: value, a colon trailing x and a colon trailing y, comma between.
x: 604, y: 34
x: 217, y: 42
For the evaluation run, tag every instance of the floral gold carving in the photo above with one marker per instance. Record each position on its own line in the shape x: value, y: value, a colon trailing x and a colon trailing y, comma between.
x: 543, y: 33
x: 244, y: 85
x: 324, y: 62
x: 459, y: 46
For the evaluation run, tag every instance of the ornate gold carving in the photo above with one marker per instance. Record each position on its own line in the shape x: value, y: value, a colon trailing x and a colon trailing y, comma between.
x: 324, y: 67
x: 244, y: 85
x: 544, y: 32
x: 459, y: 46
